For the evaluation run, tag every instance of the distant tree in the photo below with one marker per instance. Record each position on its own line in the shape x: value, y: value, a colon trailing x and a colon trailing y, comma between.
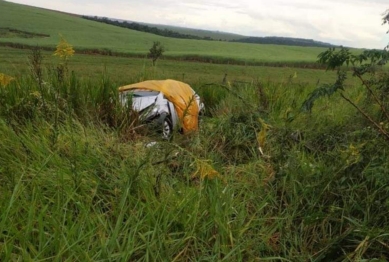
x: 156, y: 51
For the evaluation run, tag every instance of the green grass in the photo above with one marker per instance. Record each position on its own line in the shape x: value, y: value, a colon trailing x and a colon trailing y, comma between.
x: 127, y: 70
x: 84, y: 34
x: 78, y: 182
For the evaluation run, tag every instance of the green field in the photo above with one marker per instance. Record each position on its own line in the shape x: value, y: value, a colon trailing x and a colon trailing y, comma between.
x: 126, y: 70
x: 84, y: 34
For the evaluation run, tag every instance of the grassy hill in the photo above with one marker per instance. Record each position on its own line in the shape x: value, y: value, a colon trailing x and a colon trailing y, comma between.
x: 216, y: 35
x: 207, y: 35
x: 84, y: 34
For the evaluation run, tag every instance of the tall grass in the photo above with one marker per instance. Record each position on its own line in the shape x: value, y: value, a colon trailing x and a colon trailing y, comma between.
x: 79, y: 183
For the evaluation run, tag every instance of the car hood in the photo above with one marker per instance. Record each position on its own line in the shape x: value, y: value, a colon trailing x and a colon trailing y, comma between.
x: 139, y: 99
x: 140, y: 103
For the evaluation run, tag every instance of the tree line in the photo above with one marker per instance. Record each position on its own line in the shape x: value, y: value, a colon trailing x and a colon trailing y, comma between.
x: 145, y: 28
x: 274, y: 40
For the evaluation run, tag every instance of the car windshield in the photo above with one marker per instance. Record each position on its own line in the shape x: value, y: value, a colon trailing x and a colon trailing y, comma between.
x: 143, y: 93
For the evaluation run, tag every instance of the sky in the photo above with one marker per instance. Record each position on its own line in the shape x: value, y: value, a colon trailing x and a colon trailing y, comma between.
x: 352, y: 23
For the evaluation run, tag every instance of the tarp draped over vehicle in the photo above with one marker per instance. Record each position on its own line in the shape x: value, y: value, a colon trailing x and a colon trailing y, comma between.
x: 180, y: 94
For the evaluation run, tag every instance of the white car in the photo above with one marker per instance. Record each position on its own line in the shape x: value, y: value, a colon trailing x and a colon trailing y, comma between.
x: 153, y: 107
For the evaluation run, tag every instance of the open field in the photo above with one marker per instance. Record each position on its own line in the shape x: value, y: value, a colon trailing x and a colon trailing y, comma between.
x: 84, y: 34
x: 127, y: 70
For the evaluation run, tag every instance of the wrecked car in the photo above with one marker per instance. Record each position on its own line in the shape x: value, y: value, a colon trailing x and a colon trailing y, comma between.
x: 168, y: 104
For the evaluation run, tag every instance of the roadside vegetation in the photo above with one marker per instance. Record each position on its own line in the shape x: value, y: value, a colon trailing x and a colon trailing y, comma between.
x: 262, y: 180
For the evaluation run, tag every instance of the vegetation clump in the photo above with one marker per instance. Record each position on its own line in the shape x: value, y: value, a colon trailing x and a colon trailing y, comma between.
x: 155, y: 52
x: 5, y: 79
x: 369, y: 69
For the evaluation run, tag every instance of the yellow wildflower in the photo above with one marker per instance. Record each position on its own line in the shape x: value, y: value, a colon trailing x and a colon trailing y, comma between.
x: 205, y: 170
x: 261, y: 136
x: 5, y: 79
x: 352, y: 154
x: 36, y: 94
x: 64, y: 49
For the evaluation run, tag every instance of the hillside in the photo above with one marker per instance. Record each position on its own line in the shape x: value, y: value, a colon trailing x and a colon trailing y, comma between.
x: 84, y: 34
x: 145, y: 28
x: 187, y: 33
x: 215, y: 35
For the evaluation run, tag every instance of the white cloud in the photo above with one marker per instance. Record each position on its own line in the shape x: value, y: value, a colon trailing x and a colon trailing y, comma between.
x: 355, y: 23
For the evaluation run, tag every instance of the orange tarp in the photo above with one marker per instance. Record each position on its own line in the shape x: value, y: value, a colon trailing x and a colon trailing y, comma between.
x: 180, y: 94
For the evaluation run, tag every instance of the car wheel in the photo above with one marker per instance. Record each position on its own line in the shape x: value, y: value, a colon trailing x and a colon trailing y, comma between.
x: 167, y: 128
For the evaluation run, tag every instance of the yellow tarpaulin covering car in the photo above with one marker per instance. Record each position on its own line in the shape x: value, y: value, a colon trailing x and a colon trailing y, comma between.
x: 186, y: 102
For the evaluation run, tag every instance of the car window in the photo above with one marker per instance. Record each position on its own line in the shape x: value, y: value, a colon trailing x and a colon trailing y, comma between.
x: 144, y: 93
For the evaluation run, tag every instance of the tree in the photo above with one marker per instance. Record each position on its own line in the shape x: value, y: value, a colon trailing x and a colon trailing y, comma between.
x: 385, y: 20
x: 156, y: 51
x: 368, y: 68
x: 386, y: 17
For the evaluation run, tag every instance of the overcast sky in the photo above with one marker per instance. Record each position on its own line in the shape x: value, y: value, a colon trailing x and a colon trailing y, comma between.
x: 354, y: 23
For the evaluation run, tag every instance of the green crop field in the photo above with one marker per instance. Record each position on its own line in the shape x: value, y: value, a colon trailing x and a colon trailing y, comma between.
x: 125, y: 70
x: 84, y: 34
